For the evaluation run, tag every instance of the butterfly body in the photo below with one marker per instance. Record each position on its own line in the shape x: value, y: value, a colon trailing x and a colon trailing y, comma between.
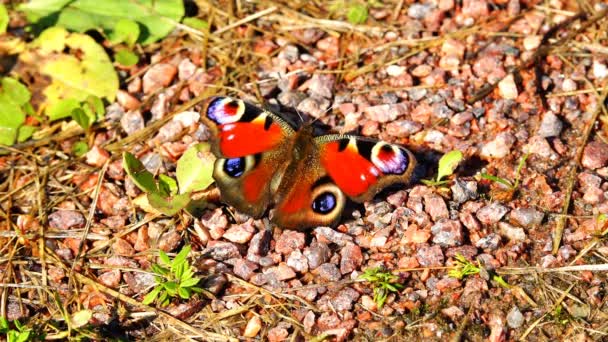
x: 265, y: 162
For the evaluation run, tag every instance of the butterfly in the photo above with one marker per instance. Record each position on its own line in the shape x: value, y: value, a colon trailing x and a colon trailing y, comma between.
x: 265, y: 161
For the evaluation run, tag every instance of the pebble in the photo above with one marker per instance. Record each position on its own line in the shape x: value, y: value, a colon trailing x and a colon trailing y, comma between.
x: 491, y: 242
x: 429, y: 256
x: 220, y: 250
x: 453, y: 313
x: 599, y: 70
x: 158, y: 76
x: 122, y: 247
x: 66, y: 219
x: 491, y: 213
x: 395, y: 70
x: 321, y: 85
x: 97, y: 156
x: 259, y: 245
x: 328, y: 272
x: 110, y: 279
x: 531, y: 42
x: 317, y: 254
x: 507, y: 88
x: 435, y: 206
x: 132, y: 122
x: 385, y: 112
x: 281, y: 272
x: 498, y: 148
x: 515, y: 318
x: 332, y: 235
x: 595, y: 155
x: 244, y: 268
x: 463, y: 191
x: 447, y: 233
x: 186, y: 69
x: 241, y: 233
x: 550, y: 126
x: 351, y: 258
x: 510, y: 232
x: 526, y: 217
x: 540, y: 146
x: 298, y: 261
x: 289, y: 241
x: 277, y: 334
x: 419, y: 11
x: 314, y: 106
x: 569, y: 85
x: 342, y: 300
x: 291, y: 99
x: 127, y: 101
x: 403, y: 128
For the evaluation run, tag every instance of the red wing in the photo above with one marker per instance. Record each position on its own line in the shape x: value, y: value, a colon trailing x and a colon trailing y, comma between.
x: 361, y: 168
x: 241, y: 129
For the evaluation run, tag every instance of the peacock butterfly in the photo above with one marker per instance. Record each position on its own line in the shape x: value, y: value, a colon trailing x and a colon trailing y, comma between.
x: 264, y: 160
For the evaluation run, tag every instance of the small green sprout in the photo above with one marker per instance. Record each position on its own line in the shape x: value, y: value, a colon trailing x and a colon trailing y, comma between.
x: 510, y: 185
x: 174, y: 278
x: 19, y: 334
x: 447, y: 165
x: 466, y: 268
x: 383, y: 282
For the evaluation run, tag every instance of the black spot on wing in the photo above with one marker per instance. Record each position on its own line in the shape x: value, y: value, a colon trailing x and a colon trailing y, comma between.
x: 268, y: 122
x: 342, y: 144
x: 365, y: 148
x: 251, y: 112
x: 321, y: 181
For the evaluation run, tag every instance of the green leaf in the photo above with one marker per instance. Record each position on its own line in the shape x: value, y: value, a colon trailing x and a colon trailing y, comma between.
x: 180, y: 258
x: 3, y: 324
x: 126, y: 31
x: 16, y: 91
x: 164, y: 258
x: 171, y: 288
x: 178, y: 270
x: 158, y: 17
x: 81, y: 318
x: 138, y: 173
x: 195, y: 168
x: 62, y: 109
x: 357, y: 14
x: 167, y: 185
x: 159, y: 269
x: 23, y: 336
x: 82, y: 118
x: 190, y: 282
x: 196, y: 23
x: 25, y: 132
x: 126, y: 58
x: 4, y: 18
x: 168, y: 206
x: 183, y: 292
x: 448, y: 163
x: 96, y: 105
x: 497, y: 180
x: 151, y: 296
x: 80, y: 148
x: 11, y: 119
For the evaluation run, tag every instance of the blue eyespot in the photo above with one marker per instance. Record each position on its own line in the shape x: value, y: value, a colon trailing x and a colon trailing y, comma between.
x: 234, y: 167
x: 324, y: 203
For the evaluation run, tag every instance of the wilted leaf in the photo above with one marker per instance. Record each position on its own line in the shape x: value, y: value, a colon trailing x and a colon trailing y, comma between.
x: 73, y: 76
x: 81, y: 318
x: 138, y: 173
x: 195, y: 168
x: 156, y: 16
x: 448, y: 163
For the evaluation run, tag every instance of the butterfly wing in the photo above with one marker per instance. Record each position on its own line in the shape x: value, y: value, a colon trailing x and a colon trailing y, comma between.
x: 362, y: 167
x: 248, y: 142
x: 314, y: 188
